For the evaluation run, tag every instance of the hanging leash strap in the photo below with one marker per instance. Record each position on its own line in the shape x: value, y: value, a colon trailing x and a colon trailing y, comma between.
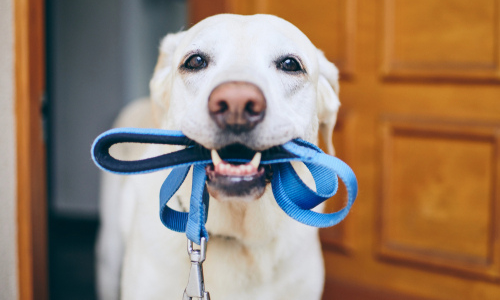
x: 290, y: 192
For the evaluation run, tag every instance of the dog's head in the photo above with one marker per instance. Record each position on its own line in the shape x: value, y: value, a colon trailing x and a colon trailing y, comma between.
x: 244, y: 83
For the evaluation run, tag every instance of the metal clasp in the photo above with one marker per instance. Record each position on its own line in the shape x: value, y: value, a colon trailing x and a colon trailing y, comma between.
x: 195, y: 288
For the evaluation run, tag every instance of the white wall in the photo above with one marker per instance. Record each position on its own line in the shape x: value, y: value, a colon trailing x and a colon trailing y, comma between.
x: 8, y: 242
x: 101, y: 56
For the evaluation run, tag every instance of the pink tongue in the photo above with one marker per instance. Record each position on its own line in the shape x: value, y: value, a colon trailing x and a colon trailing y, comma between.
x: 225, y: 168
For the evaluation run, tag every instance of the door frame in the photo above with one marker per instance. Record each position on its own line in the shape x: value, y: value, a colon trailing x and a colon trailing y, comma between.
x: 29, y: 76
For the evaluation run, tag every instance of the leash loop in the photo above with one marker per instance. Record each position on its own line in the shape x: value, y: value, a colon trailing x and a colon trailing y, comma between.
x: 292, y: 195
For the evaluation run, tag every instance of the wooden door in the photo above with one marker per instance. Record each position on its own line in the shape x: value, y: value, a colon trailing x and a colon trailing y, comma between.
x: 420, y: 125
x: 29, y: 34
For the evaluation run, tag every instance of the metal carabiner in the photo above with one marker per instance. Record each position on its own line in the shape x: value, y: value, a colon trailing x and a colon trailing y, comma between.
x: 195, y: 288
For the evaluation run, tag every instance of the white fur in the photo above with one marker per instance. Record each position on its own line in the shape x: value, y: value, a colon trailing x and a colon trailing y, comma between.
x: 255, y: 250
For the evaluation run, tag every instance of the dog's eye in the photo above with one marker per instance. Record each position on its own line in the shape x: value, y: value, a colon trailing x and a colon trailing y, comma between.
x: 195, y: 62
x: 290, y: 64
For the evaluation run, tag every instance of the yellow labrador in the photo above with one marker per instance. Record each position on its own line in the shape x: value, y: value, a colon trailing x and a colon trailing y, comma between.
x: 252, y: 81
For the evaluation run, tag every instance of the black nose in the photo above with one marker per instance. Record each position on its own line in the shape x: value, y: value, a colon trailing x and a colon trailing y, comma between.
x: 237, y: 106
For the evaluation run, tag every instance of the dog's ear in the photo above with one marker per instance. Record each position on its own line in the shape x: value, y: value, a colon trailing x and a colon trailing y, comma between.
x: 160, y: 84
x: 327, y: 100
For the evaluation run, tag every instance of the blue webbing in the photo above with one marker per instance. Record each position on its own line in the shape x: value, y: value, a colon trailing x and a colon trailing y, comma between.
x: 290, y: 192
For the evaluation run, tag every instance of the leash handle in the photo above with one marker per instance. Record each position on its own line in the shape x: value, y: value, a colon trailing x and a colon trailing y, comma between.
x: 103, y: 159
x: 291, y: 194
x: 191, y: 155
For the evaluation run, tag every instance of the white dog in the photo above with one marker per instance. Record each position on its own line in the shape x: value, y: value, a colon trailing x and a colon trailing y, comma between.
x: 256, y: 81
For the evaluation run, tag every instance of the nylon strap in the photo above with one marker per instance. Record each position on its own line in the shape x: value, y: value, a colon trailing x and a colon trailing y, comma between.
x: 290, y: 192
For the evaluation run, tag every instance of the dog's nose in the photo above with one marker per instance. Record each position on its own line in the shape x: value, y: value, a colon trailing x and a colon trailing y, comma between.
x: 237, y: 106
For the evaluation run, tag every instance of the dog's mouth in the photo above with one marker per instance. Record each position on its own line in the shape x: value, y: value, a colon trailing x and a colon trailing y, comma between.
x: 228, y: 179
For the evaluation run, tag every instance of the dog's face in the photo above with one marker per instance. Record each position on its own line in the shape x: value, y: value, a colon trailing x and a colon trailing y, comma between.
x: 244, y: 84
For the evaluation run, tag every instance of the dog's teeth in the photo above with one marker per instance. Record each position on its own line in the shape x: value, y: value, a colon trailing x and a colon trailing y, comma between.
x: 256, y: 160
x: 216, y: 158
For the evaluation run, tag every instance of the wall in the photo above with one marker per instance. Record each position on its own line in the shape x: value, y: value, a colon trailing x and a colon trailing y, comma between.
x: 8, y: 259
x: 101, y: 55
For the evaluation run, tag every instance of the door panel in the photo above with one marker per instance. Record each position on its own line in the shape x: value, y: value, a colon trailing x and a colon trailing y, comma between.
x: 441, y: 39
x: 420, y: 126
x: 438, y: 197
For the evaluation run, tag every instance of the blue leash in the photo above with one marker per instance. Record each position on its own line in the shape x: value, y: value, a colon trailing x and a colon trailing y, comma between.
x: 290, y: 192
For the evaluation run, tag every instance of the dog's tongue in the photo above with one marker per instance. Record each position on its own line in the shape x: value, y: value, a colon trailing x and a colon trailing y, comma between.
x: 225, y: 168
